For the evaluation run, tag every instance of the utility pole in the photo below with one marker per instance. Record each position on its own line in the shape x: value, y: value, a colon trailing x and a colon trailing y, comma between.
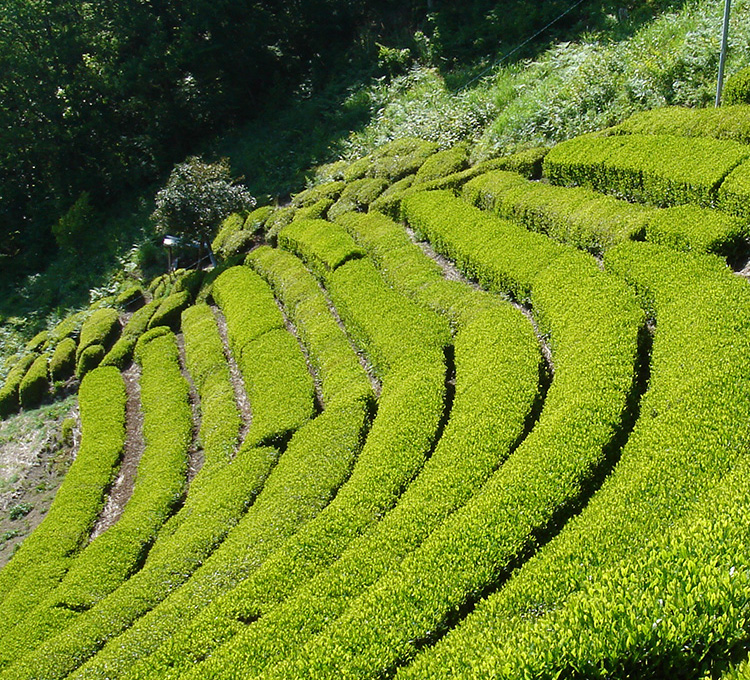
x: 723, y: 55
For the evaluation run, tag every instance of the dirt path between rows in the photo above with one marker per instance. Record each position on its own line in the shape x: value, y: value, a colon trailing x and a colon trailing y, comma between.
x: 452, y: 273
x: 122, y: 488
x: 195, y: 453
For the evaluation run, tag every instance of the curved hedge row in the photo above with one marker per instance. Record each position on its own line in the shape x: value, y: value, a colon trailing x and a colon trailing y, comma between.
x: 317, y: 461
x: 726, y: 122
x: 594, y: 324
x: 46, y: 554
x: 175, y: 555
x: 323, y: 249
x: 686, y: 440
x: 9, y: 399
x: 220, y: 417
x: 122, y: 351
x: 331, y: 353
x: 497, y: 367
x: 660, y: 170
x: 111, y: 558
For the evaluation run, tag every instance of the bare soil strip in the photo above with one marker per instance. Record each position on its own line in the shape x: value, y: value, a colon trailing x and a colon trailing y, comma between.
x: 366, y: 365
x: 238, y: 384
x: 122, y: 488
x: 196, y: 456
x: 452, y: 273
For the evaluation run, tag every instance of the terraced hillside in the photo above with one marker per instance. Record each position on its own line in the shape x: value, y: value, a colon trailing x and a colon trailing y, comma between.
x: 428, y: 420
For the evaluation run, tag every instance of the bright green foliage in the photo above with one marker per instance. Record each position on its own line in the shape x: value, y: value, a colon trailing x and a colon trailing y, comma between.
x: 101, y: 328
x: 89, y: 359
x: 420, y: 337
x: 497, y: 368
x: 660, y: 170
x: 169, y: 311
x: 690, y: 228
x: 443, y: 163
x: 69, y: 327
x: 392, y: 161
x: 238, y: 232
x: 734, y: 192
x: 316, y: 211
x: 317, y: 461
x: 357, y: 195
x: 336, y: 363
x: 279, y: 387
x: 248, y: 305
x: 9, y: 401
x: 37, y: 343
x: 403, y: 432
x: 727, y: 122
x: 35, y: 384
x: 45, y: 555
x: 692, y: 430
x: 278, y: 220
x: 257, y: 218
x: 593, y: 322
x: 160, y: 480
x: 174, y: 556
x: 737, y: 88
x: 130, y: 298
x: 147, y: 337
x: 122, y: 351
x: 220, y: 417
x: 577, y: 216
x: 63, y: 360
x: 308, y: 197
x: 389, y: 199
x: 322, y: 246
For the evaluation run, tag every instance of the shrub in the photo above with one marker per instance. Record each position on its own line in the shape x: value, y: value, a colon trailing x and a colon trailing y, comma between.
x: 734, y: 192
x: 169, y: 311
x: 122, y: 351
x: 278, y: 220
x: 38, y: 342
x: 197, y: 197
x: 69, y: 327
x: 578, y: 216
x: 89, y: 359
x: 660, y: 170
x: 146, y: 338
x: 9, y: 400
x: 737, y: 88
x: 320, y: 244
x: 308, y: 197
x: 357, y: 195
x: 393, y: 160
x: 35, y: 384
x: 316, y: 211
x: 100, y: 328
x: 443, y: 163
x: 45, y: 555
x: 131, y: 298
x: 63, y: 360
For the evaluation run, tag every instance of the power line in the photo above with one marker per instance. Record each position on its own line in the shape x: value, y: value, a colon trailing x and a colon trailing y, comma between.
x: 521, y: 46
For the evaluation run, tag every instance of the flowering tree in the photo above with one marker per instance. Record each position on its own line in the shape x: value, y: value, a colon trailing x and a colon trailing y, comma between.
x: 198, y: 196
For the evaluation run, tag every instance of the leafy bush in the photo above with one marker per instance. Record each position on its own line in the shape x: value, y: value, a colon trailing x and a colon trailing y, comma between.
x: 735, y: 191
x: 660, y: 170
x: 9, y: 400
x: 392, y: 161
x: 737, y: 88
x: 20, y: 510
x: 37, y: 343
x: 35, y: 384
x: 248, y: 305
x: 357, y: 195
x: 316, y: 211
x: 278, y: 220
x: 63, y: 360
x: 100, y: 328
x: 89, y: 359
x: 122, y: 351
x: 131, y: 297
x: 197, y: 197
x: 443, y: 163
x: 169, y: 311
x: 322, y: 246
x: 146, y: 338
x: 578, y: 216
x: 45, y: 555
x: 308, y: 197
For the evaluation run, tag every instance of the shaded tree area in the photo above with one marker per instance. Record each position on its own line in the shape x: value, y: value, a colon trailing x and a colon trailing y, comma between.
x: 100, y: 98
